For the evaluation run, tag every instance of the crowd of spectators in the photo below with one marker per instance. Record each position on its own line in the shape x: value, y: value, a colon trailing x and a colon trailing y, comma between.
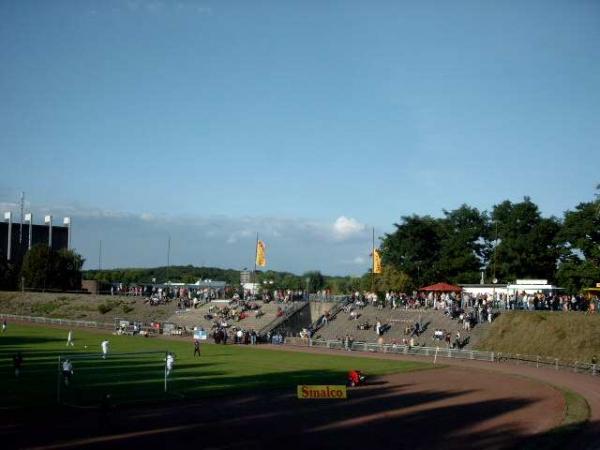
x: 547, y: 302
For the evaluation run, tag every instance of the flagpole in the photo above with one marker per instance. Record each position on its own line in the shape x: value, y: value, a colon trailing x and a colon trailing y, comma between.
x: 255, y: 256
x: 373, y: 262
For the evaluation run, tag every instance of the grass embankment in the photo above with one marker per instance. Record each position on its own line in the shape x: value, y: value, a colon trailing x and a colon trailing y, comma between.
x: 222, y: 369
x: 101, y: 308
x: 568, y: 336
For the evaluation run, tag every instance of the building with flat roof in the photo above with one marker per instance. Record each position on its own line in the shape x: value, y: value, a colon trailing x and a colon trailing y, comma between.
x: 19, y: 239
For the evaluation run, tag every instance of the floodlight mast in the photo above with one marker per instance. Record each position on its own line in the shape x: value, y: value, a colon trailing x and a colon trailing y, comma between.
x: 48, y: 221
x: 8, y: 217
x: 29, y: 219
x: 21, y: 224
x: 67, y: 223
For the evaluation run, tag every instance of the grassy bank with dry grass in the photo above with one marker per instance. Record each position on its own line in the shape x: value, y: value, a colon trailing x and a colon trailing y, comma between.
x: 568, y: 336
x: 100, y: 308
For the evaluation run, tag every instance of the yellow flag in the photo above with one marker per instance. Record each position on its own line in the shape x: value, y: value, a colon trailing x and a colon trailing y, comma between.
x: 376, y: 261
x: 261, y: 259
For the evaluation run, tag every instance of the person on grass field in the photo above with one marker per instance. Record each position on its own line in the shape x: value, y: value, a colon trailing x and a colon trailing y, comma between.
x: 196, y: 347
x: 67, y: 371
x: 104, y: 346
x: 4, y: 325
x: 70, y: 339
x: 17, y: 363
x: 170, y: 363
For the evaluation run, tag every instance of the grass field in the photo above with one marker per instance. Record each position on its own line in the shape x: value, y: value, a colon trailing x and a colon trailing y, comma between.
x: 133, y: 378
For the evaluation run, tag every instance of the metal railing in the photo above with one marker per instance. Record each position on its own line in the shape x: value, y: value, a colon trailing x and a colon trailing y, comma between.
x: 431, y: 352
x: 337, y: 308
x: 327, y: 298
x: 287, y: 314
x: 439, y: 352
x: 64, y: 322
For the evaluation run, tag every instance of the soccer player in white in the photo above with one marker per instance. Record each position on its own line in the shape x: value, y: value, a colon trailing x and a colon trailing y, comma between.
x: 104, y: 346
x: 67, y: 369
x: 70, y: 339
x: 170, y: 363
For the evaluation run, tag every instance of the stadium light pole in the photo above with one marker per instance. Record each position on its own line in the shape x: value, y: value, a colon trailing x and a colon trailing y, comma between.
x: 8, y: 217
x: 29, y: 220
x: 307, y: 279
x: 67, y: 223
x: 48, y: 221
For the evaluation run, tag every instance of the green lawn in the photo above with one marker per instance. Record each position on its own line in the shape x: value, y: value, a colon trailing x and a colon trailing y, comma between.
x: 132, y: 378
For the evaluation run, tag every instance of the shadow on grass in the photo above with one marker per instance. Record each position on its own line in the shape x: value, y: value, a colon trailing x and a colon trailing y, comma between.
x: 18, y: 341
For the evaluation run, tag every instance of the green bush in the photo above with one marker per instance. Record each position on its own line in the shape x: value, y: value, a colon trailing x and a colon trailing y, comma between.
x: 45, y: 268
x: 104, y: 308
x: 127, y: 309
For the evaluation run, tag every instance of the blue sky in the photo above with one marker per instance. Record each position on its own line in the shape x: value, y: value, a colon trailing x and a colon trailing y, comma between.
x: 309, y: 122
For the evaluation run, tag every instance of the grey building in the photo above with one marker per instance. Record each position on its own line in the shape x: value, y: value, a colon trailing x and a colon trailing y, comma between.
x: 39, y: 235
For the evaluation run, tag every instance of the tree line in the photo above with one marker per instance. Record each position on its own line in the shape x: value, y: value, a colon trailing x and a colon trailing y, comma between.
x: 510, y: 242
x: 43, y: 268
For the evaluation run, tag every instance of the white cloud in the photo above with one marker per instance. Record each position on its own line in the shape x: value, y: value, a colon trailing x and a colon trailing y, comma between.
x: 8, y: 206
x: 345, y: 227
x: 237, y: 235
x: 139, y: 238
x: 359, y: 260
x: 158, y: 6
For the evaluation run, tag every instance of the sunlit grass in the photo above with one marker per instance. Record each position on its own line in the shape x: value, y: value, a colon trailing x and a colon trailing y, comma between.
x: 131, y: 378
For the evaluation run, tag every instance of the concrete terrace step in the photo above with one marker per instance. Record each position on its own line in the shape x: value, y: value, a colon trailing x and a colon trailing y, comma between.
x: 195, y: 317
x: 398, y: 319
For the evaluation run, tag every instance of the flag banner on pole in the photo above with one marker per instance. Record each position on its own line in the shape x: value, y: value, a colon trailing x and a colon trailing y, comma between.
x: 376, y: 261
x: 261, y: 259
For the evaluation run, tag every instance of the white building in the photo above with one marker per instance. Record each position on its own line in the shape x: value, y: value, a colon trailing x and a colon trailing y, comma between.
x: 484, y: 289
x: 532, y: 287
x: 520, y: 286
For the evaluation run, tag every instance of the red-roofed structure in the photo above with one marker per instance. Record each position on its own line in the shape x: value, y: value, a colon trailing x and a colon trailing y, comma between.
x: 441, y: 287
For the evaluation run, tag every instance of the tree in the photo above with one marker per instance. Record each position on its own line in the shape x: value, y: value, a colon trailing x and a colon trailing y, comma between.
x: 8, y: 274
x: 392, y: 279
x: 415, y: 248
x: 45, y: 268
x: 527, y: 245
x: 315, y: 280
x: 464, y: 249
x: 579, y: 238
